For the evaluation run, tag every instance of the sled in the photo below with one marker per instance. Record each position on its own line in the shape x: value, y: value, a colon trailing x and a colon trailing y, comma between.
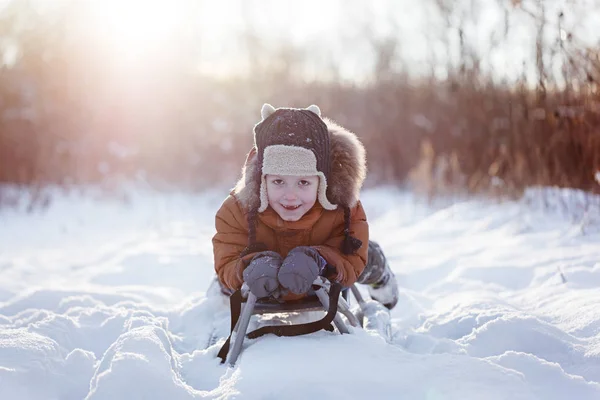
x: 325, y: 296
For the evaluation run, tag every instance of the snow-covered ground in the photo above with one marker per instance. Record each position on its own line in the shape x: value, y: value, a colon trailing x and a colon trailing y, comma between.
x: 106, y: 299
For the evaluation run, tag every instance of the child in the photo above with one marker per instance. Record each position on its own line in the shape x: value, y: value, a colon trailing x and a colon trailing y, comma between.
x: 295, y: 214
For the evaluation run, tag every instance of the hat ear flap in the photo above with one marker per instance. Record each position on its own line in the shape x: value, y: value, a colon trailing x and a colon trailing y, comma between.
x: 266, y: 110
x: 315, y: 109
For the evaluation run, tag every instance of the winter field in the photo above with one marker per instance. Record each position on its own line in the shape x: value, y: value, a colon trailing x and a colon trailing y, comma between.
x: 106, y: 299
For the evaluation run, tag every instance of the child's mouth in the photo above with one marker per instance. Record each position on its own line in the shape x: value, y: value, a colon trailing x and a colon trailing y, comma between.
x: 290, y: 208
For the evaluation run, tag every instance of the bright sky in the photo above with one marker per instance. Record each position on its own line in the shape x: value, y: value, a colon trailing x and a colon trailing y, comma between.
x: 134, y: 24
x: 333, y: 32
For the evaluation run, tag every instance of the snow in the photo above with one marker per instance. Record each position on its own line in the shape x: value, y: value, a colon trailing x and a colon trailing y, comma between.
x: 104, y: 298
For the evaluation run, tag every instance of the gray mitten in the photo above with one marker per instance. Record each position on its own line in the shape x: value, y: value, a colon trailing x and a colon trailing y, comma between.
x: 261, y: 274
x: 300, y: 268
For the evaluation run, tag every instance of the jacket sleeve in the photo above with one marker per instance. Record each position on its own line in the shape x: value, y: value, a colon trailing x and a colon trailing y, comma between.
x: 349, y: 267
x: 229, y: 242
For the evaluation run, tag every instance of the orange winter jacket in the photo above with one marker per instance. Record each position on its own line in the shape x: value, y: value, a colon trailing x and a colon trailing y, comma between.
x: 320, y: 228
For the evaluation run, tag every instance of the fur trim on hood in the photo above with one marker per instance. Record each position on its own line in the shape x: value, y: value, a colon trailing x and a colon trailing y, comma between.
x: 348, y: 171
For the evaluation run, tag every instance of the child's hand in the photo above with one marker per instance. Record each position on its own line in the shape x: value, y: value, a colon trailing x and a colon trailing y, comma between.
x: 261, y: 274
x: 300, y: 268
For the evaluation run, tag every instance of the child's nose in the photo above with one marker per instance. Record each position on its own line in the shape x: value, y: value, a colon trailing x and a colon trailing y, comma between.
x: 290, y: 194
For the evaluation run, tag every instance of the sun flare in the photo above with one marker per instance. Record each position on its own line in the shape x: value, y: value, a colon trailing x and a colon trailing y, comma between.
x: 134, y: 27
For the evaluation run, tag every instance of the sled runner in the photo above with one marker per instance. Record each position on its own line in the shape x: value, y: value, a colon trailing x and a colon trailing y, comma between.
x: 325, y: 296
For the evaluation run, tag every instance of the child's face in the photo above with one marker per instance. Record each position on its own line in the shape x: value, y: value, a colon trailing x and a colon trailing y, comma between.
x: 292, y: 196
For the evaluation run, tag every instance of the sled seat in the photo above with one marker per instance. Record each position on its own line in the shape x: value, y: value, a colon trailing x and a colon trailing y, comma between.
x: 311, y: 302
x: 244, y: 304
x: 306, y: 304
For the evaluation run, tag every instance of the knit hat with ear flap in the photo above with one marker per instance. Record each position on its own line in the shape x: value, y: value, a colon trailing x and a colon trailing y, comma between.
x: 293, y: 141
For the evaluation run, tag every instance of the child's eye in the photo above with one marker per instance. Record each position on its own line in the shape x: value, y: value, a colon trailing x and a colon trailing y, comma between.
x: 277, y: 181
x: 304, y: 182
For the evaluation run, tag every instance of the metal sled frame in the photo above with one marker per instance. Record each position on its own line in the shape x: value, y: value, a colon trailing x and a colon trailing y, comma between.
x: 320, y: 301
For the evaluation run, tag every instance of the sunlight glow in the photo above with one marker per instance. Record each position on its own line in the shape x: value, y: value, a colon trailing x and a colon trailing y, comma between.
x: 133, y: 28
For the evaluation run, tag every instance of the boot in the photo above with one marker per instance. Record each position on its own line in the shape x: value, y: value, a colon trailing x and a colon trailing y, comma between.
x: 379, y: 278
